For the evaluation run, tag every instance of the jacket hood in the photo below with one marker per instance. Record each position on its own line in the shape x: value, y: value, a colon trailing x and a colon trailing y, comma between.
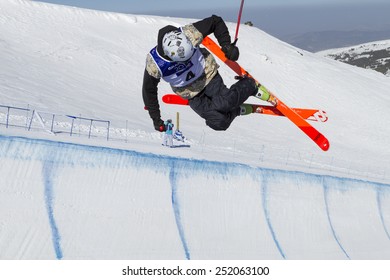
x: 160, y: 36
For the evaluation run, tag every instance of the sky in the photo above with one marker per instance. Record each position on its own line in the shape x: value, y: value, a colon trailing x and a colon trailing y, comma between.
x: 169, y: 5
x: 280, y: 18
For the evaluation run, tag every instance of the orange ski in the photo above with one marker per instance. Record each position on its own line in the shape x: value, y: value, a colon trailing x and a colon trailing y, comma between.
x: 308, y: 114
x: 302, y: 124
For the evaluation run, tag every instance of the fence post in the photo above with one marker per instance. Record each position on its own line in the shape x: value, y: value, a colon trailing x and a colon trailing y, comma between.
x: 108, y: 130
x: 27, y: 111
x: 79, y: 125
x: 90, y: 128
x: 71, y: 128
x: 52, y: 124
x: 6, y: 122
x: 31, y: 120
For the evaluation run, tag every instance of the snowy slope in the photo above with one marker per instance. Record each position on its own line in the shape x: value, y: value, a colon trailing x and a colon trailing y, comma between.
x: 74, y: 61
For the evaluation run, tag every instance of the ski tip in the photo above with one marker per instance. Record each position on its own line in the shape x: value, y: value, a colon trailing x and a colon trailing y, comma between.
x: 325, y: 146
x: 323, y: 143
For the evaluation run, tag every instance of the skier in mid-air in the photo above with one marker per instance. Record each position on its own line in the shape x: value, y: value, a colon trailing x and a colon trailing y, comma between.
x: 193, y: 74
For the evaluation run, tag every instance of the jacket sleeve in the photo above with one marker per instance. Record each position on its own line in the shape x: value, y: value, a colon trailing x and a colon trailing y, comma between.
x: 149, y: 94
x: 216, y: 25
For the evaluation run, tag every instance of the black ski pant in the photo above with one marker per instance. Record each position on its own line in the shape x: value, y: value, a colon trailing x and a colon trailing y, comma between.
x: 219, y: 105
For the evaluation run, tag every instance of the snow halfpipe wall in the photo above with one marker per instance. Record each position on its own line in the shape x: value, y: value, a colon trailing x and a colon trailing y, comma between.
x: 69, y: 201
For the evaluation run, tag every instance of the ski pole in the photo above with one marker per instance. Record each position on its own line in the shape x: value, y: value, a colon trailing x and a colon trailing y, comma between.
x: 177, y: 120
x: 238, y: 21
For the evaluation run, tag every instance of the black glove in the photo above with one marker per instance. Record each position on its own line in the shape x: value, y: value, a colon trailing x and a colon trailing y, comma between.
x: 159, y: 125
x: 231, y: 51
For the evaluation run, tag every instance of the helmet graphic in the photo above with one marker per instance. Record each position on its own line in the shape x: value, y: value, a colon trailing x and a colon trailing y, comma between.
x: 177, y: 46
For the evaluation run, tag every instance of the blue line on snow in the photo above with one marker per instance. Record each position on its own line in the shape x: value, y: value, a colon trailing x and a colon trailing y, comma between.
x: 48, y: 171
x: 264, y: 192
x: 379, y: 202
x: 176, y: 209
x: 326, y: 191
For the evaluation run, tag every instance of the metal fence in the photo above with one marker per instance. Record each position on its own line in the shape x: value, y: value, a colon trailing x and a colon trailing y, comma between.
x: 31, y: 119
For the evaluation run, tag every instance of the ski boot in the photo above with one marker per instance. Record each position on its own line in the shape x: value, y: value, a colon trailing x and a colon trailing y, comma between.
x: 262, y: 91
x: 265, y: 95
x: 246, y: 109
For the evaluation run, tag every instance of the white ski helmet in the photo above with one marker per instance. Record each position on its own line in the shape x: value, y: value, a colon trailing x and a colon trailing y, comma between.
x: 177, y: 46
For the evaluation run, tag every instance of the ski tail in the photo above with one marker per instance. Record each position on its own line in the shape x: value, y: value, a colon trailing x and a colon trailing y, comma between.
x: 174, y: 99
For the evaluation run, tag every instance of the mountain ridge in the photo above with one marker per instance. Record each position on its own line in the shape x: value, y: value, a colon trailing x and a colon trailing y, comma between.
x: 331, y: 39
x: 372, y: 55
